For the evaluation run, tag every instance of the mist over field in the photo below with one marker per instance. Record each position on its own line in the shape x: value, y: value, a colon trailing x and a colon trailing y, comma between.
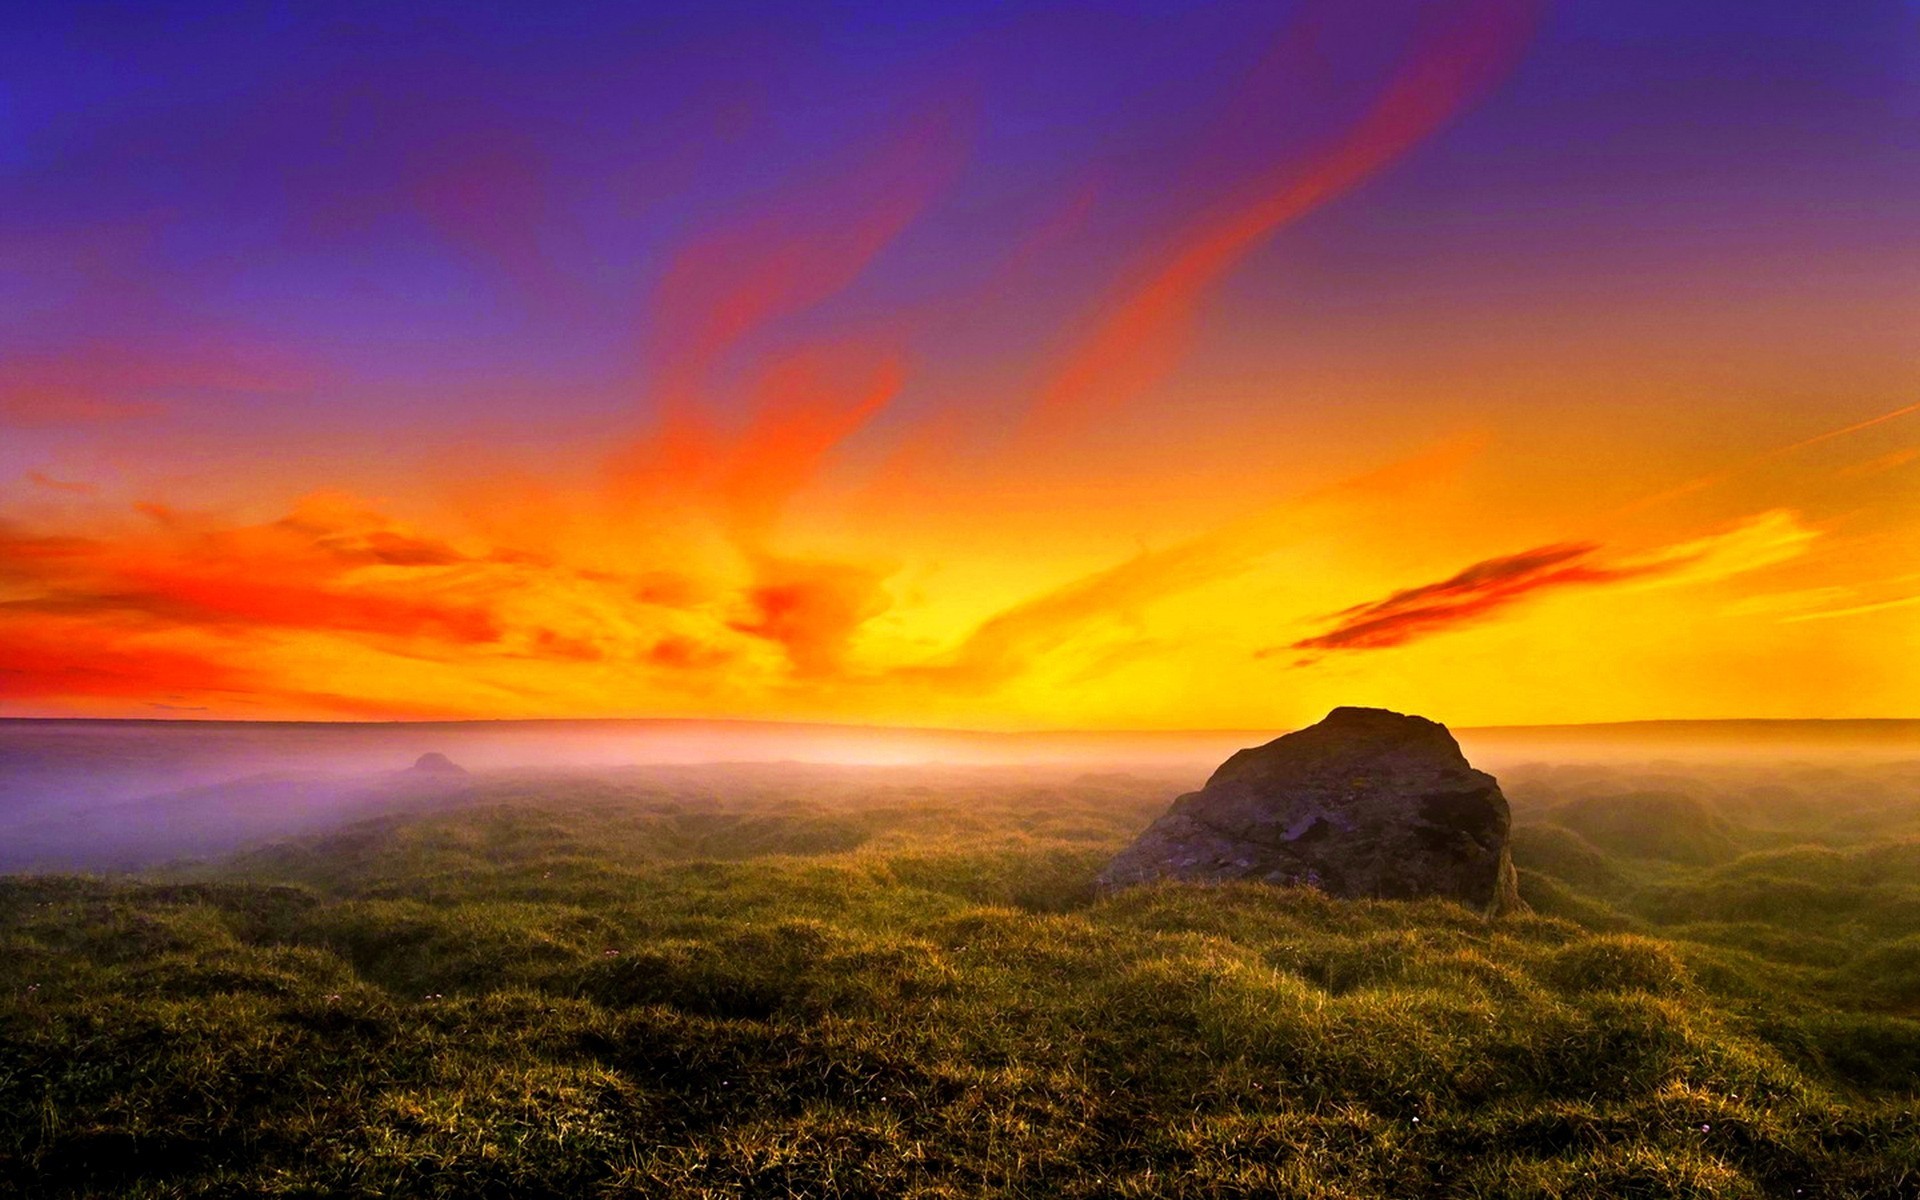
x: 707, y: 959
x: 119, y: 794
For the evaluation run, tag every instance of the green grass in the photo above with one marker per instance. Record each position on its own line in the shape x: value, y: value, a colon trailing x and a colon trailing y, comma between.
x: 840, y: 984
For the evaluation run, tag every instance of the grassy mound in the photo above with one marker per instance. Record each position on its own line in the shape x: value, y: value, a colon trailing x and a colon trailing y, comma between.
x: 1659, y: 825
x: 578, y: 989
x: 1560, y: 852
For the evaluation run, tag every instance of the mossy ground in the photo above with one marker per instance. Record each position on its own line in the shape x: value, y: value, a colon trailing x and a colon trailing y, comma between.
x: 848, y: 984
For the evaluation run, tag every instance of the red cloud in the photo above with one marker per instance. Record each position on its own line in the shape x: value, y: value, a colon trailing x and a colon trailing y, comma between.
x: 802, y: 408
x: 1140, y: 333
x: 742, y: 426
x: 42, y: 479
x: 805, y: 247
x: 812, y: 610
x: 291, y: 574
x: 37, y: 664
x: 93, y: 383
x: 28, y: 406
x: 1480, y: 590
x: 681, y: 653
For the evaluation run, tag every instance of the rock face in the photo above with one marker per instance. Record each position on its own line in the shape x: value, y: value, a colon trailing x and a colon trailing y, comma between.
x: 1366, y: 804
x: 436, y: 764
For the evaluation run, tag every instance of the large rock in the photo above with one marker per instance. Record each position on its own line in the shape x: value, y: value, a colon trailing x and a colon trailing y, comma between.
x: 1366, y: 804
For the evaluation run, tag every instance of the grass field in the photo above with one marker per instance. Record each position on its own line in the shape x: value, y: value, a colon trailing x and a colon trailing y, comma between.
x: 808, y: 981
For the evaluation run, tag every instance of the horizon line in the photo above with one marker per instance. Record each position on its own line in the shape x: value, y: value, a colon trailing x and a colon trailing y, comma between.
x: 961, y: 731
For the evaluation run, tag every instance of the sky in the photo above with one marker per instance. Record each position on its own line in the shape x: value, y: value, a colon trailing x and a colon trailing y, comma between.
x: 1133, y: 365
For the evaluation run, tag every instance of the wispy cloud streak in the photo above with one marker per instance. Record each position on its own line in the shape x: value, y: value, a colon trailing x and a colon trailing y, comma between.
x: 1494, y: 585
x: 1465, y: 48
x: 1475, y: 593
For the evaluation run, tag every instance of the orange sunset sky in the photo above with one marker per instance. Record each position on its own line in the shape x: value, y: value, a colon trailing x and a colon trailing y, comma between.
x: 1133, y: 366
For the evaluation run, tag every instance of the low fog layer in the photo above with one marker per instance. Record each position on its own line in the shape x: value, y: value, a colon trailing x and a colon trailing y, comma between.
x: 108, y: 795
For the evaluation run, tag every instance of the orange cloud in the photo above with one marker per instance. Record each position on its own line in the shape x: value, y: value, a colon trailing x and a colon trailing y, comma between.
x: 491, y: 199
x: 1881, y: 463
x: 1140, y: 336
x: 30, y: 406
x: 1013, y: 641
x: 547, y: 644
x: 46, y: 663
x: 353, y: 535
x: 1715, y: 478
x: 41, y: 664
x: 1892, y: 415
x: 801, y: 409
x: 1854, y: 610
x: 811, y: 610
x: 731, y: 456
x: 803, y: 249
x: 44, y: 480
x: 290, y: 574
x: 95, y: 383
x: 162, y: 606
x: 682, y: 653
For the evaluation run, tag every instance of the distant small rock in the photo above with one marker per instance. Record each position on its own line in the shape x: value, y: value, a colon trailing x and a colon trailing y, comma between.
x: 1366, y: 804
x: 436, y: 764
